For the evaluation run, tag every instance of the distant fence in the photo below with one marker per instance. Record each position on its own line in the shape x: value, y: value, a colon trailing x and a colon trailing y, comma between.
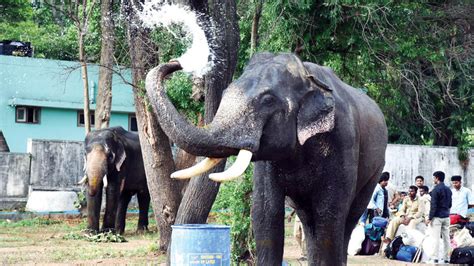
x: 14, y: 179
x: 57, y: 165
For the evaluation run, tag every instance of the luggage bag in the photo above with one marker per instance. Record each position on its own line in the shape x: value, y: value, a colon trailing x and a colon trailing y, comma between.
x: 406, y: 253
x: 463, y: 255
x: 370, y: 247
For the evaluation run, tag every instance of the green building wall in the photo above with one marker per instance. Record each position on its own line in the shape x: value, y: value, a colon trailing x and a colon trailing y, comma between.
x: 55, y: 87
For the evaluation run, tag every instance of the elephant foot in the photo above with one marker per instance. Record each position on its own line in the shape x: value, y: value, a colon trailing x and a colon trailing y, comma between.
x: 108, y: 230
x: 142, y: 229
x: 90, y: 232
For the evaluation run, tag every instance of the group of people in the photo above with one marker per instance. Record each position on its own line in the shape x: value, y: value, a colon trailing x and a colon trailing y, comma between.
x: 437, y: 208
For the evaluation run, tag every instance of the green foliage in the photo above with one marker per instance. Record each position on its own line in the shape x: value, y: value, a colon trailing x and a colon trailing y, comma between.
x: 15, y: 10
x: 172, y: 42
x: 81, y: 200
x: 232, y: 207
x: 179, y: 89
x: 73, y: 236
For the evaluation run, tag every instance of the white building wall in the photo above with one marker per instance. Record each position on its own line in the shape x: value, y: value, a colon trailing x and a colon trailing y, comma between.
x: 405, y: 162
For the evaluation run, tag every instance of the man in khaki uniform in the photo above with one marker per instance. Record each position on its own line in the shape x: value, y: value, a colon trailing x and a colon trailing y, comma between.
x: 424, y: 207
x: 408, y: 213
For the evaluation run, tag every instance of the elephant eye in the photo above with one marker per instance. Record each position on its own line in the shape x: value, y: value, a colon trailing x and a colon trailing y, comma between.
x: 267, y: 100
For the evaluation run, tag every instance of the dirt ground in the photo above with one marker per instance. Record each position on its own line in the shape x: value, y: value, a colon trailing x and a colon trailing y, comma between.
x: 46, y: 241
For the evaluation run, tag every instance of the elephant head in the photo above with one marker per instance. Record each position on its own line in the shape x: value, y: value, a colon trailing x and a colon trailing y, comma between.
x: 105, y: 154
x: 266, y: 114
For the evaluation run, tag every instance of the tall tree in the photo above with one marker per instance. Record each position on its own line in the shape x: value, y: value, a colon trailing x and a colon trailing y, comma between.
x: 201, y: 191
x: 104, y: 94
x: 165, y: 193
x: 255, y: 24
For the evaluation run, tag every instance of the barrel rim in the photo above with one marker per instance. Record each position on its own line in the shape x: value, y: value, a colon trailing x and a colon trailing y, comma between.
x: 200, y: 226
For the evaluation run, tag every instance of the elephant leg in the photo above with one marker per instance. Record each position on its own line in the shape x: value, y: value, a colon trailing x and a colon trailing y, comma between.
x: 111, y: 204
x: 358, y: 206
x: 124, y: 200
x: 143, y: 205
x: 93, y: 211
x: 324, y: 223
x: 268, y: 215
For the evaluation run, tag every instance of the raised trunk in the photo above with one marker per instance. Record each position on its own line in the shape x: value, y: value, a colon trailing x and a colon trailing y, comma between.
x: 197, y: 141
x: 157, y: 157
x: 104, y: 94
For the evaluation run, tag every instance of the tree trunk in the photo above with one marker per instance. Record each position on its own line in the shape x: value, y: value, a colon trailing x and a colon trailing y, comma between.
x: 3, y: 143
x: 104, y: 94
x: 201, y: 192
x: 85, y: 81
x: 165, y: 192
x: 255, y: 24
x: 82, y: 27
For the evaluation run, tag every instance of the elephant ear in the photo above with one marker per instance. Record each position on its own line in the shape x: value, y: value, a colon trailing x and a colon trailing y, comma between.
x: 120, y: 156
x: 316, y: 113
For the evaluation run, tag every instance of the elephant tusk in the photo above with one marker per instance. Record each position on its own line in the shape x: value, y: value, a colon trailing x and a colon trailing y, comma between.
x: 105, y: 180
x: 199, y: 168
x: 83, y: 180
x: 236, y: 170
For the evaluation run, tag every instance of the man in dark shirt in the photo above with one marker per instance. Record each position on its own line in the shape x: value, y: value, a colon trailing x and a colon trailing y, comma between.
x: 439, y: 216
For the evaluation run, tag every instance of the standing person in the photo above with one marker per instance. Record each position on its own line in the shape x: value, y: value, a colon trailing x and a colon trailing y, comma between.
x: 419, y: 183
x: 393, y: 195
x: 377, y: 201
x: 407, y: 214
x: 462, y: 200
x: 438, y: 219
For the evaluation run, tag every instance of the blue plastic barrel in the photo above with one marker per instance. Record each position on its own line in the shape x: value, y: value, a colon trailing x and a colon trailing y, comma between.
x: 200, y: 244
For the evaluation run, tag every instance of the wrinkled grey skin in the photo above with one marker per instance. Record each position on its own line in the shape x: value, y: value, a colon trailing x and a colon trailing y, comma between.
x: 314, y: 138
x: 116, y: 153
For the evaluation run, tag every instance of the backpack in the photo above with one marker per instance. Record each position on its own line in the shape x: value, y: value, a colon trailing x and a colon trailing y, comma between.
x: 373, y: 232
x: 462, y: 256
x: 406, y: 253
x: 369, y: 247
x: 380, y: 222
x: 393, y: 247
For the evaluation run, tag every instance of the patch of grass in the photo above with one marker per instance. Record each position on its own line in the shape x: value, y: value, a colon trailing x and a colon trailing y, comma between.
x: 34, y: 222
x: 42, y: 240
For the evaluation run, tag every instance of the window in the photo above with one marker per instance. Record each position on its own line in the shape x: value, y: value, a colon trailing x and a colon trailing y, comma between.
x: 80, y: 118
x: 132, y: 123
x: 28, y: 114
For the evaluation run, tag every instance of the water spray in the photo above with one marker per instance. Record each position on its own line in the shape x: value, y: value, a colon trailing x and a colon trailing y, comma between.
x: 198, y: 58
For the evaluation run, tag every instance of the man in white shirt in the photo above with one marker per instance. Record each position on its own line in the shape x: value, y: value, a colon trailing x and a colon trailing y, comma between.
x: 462, y: 197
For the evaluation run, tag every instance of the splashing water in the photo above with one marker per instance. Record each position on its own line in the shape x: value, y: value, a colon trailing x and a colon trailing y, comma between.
x: 198, y: 59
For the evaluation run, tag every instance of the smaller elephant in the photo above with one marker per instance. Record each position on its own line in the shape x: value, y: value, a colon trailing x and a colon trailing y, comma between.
x: 114, y: 160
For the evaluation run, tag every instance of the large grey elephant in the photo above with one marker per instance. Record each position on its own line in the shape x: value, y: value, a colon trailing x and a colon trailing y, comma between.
x: 314, y: 138
x: 114, y: 160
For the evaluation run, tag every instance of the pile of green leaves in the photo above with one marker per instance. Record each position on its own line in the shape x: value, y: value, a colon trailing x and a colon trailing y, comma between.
x: 105, y: 237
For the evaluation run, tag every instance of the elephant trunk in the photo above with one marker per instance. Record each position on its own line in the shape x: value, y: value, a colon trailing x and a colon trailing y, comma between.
x: 197, y: 141
x: 96, y: 169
